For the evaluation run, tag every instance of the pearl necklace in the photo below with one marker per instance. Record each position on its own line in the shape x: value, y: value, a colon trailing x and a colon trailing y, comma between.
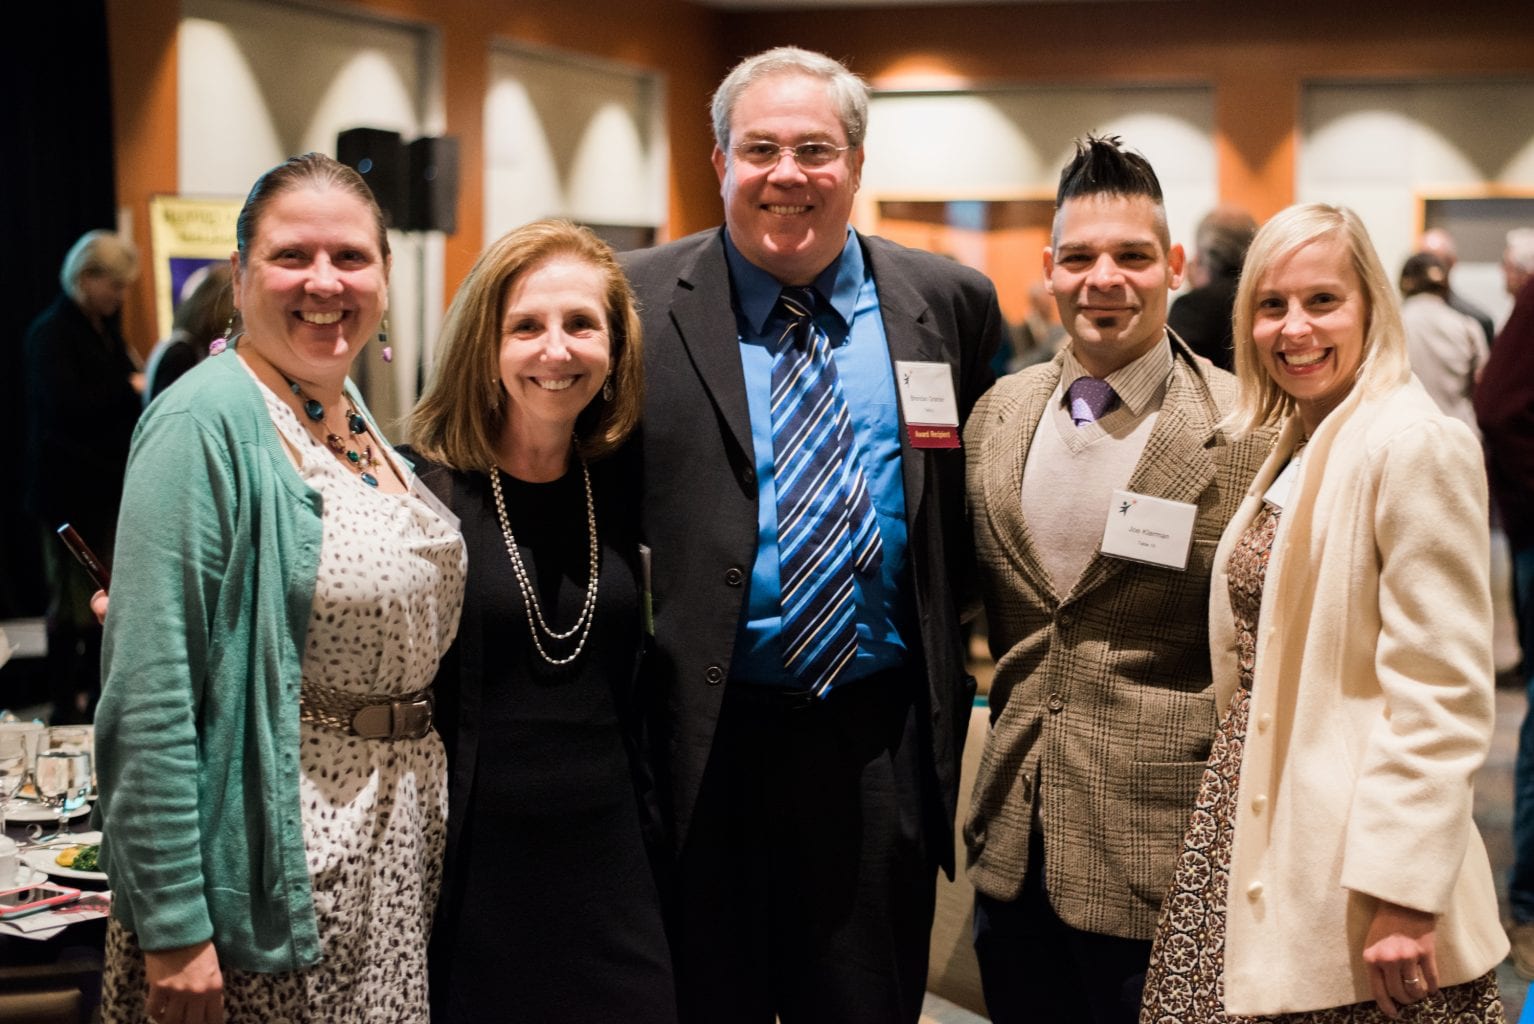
x: 535, y: 619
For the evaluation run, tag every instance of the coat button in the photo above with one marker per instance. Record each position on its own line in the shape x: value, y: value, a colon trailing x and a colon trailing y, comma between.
x: 1254, y: 891
x: 734, y: 577
x: 1264, y: 722
x: 713, y: 675
x: 1056, y: 703
x: 1259, y: 803
x: 748, y: 476
x: 1066, y: 618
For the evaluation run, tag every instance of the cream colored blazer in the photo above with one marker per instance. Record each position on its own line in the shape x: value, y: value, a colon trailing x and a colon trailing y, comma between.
x: 1372, y: 706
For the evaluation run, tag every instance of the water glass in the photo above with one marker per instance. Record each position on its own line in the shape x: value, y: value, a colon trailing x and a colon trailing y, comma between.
x: 63, y: 779
x: 13, y: 769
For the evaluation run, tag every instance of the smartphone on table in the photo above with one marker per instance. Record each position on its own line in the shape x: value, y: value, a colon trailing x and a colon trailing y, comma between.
x: 31, y: 898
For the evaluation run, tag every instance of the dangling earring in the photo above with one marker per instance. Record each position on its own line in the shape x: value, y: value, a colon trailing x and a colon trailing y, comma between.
x: 383, y: 339
x: 217, y: 345
x: 607, y: 389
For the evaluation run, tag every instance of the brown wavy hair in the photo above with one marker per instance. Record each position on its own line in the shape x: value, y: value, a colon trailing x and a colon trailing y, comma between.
x: 461, y: 415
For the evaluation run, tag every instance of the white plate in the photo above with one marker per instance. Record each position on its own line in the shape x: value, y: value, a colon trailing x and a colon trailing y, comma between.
x: 25, y: 810
x: 43, y: 860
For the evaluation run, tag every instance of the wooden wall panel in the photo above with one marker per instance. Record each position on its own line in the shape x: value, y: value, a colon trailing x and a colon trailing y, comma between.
x: 1255, y: 56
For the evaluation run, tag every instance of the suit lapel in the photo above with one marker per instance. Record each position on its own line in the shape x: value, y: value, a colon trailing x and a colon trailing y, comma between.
x: 704, y: 317
x: 1003, y: 456
x: 910, y: 335
x: 1176, y: 464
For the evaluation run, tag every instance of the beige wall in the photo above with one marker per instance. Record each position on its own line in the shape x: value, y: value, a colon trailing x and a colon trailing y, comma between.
x: 1255, y: 59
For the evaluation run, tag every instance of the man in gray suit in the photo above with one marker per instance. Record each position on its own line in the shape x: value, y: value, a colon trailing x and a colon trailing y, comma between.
x: 811, y: 772
x: 1098, y: 484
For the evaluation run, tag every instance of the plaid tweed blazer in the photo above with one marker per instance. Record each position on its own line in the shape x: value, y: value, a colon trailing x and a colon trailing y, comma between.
x: 1102, y: 711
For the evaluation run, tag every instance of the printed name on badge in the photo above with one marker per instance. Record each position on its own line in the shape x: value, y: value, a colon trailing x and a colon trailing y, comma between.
x: 1146, y: 529
x: 928, y: 404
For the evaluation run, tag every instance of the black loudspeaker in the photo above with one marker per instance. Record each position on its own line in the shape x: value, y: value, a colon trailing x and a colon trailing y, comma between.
x: 379, y: 156
x: 432, y: 185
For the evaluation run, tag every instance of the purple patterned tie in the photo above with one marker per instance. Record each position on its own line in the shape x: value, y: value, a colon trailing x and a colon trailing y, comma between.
x: 1089, y: 398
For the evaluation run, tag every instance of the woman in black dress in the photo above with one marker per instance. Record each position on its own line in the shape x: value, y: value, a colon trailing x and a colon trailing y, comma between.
x: 550, y: 909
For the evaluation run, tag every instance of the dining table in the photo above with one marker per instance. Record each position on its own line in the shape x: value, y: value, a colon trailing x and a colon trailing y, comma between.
x: 63, y: 947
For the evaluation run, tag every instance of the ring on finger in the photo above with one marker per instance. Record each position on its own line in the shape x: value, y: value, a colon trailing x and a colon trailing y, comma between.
x: 1411, y: 981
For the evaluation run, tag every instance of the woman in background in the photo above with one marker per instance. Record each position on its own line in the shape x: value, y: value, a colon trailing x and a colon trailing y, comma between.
x: 1331, y: 870
x: 82, y: 402
x: 273, y: 799
x: 202, y: 316
x: 550, y: 909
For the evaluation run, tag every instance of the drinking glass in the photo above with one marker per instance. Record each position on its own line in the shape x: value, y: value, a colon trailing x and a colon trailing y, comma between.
x: 13, y: 768
x: 63, y: 779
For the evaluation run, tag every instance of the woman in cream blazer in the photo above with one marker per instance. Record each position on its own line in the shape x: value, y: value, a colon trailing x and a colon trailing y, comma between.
x: 1339, y: 791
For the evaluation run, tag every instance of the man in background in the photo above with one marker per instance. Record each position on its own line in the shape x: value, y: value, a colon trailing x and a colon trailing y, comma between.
x: 1504, y: 406
x: 1441, y: 244
x: 1201, y: 316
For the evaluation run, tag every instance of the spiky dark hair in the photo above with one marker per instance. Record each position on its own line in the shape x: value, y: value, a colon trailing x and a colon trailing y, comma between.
x: 1102, y: 166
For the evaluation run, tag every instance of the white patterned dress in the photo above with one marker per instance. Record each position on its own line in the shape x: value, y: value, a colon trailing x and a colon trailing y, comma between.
x: 386, y: 604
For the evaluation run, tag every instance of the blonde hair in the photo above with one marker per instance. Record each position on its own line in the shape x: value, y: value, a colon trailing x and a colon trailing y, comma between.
x: 1384, y: 365
x: 460, y: 417
x: 98, y: 252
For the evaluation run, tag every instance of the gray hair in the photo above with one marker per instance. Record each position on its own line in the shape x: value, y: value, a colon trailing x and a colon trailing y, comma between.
x: 1520, y: 248
x: 98, y: 252
x: 847, y: 91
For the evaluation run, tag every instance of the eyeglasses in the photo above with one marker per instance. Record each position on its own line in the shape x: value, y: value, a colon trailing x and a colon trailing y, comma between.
x: 760, y: 153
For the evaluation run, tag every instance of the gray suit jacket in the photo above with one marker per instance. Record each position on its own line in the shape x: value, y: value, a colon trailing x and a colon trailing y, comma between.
x: 1102, y: 701
x: 698, y: 495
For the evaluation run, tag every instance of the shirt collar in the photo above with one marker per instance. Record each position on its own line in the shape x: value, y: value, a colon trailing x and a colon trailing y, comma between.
x: 1136, y: 383
x: 756, y: 291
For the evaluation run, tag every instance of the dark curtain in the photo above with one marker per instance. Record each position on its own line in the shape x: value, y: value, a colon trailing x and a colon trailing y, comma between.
x: 56, y: 183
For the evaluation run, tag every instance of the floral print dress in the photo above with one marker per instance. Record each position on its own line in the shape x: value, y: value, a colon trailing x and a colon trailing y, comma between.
x: 1185, y: 981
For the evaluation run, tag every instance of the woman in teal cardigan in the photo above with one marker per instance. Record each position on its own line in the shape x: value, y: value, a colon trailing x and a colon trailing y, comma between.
x: 273, y: 798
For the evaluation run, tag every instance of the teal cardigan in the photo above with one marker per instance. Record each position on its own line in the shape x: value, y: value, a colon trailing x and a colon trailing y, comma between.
x: 197, y: 730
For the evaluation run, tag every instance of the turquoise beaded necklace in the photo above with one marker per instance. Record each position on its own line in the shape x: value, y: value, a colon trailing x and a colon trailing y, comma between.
x: 361, y: 461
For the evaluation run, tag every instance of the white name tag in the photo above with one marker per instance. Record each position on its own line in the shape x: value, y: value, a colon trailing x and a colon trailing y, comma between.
x: 429, y: 498
x: 1277, y: 493
x: 1146, y: 529
x: 927, y: 400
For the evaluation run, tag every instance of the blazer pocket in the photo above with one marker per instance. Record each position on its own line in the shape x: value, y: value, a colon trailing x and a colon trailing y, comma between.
x: 1160, y: 798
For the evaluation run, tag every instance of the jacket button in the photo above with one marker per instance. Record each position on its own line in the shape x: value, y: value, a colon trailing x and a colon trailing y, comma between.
x: 1259, y: 803
x: 734, y: 577
x: 1254, y: 891
x: 1264, y: 722
x: 1066, y: 618
x: 1056, y: 703
x: 748, y: 476
x: 713, y: 675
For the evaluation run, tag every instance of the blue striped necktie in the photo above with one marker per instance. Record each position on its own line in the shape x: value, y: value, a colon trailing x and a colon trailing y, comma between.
x: 826, y: 523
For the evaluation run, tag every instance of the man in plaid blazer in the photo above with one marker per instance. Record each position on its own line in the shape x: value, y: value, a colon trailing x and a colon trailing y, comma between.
x: 1101, y: 709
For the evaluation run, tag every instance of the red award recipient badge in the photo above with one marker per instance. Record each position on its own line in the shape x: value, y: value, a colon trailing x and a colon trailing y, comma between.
x: 927, y: 401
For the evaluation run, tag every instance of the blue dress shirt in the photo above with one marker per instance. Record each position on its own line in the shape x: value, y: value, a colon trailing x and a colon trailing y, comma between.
x: 849, y: 314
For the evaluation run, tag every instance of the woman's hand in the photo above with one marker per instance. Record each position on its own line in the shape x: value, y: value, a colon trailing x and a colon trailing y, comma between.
x: 1399, y: 951
x: 185, y: 986
x: 99, y: 606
